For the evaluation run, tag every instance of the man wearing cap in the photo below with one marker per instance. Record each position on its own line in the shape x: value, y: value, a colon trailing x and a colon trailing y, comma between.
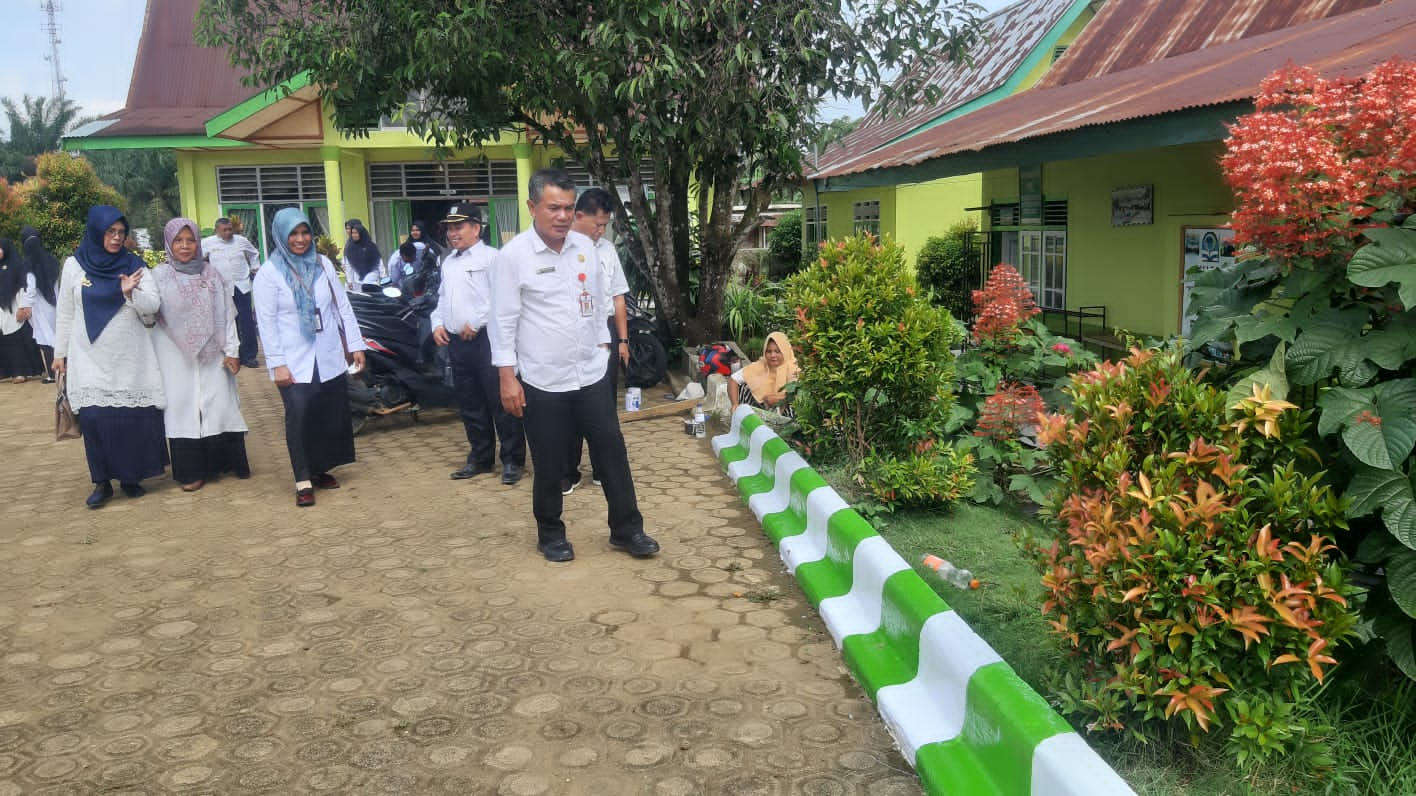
x: 460, y: 323
x: 550, y: 341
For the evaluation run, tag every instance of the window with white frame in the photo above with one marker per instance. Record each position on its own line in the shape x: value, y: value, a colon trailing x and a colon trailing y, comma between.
x: 296, y: 183
x: 432, y: 180
x: 813, y: 225
x: 1040, y: 255
x: 865, y: 217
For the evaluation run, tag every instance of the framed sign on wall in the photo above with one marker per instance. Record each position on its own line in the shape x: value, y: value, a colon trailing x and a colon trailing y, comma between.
x: 1133, y: 205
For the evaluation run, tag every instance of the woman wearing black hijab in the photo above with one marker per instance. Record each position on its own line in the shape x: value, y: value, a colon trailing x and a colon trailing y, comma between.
x: 103, y: 350
x: 18, y: 357
x: 419, y: 233
x: 362, y: 259
x: 44, y: 281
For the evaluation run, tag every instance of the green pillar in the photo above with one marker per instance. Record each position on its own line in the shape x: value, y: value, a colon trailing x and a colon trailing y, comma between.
x: 187, y: 189
x: 522, y: 151
x: 334, y: 190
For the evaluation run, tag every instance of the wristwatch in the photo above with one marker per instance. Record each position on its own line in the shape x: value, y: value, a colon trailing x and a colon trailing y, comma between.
x: 622, y: 340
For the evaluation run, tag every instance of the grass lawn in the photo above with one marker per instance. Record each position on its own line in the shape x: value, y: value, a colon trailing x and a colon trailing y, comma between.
x: 1372, y: 725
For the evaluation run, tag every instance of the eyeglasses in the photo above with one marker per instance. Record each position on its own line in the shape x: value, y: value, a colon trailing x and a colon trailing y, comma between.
x: 115, y: 233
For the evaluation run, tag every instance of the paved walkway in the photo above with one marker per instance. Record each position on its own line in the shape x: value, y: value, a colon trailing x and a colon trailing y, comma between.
x: 404, y: 636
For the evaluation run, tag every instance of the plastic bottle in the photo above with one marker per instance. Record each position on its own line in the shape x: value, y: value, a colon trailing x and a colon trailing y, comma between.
x: 700, y: 422
x: 961, y: 578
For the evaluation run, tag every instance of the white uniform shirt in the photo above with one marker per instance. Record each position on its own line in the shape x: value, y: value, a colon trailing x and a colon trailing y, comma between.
x: 393, y: 269
x: 537, y: 325
x: 235, y: 259
x: 465, y: 297
x: 611, y: 273
x: 24, y: 300
x: 279, y: 323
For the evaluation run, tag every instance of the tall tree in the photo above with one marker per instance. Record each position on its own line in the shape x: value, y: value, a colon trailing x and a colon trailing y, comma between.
x: 716, y: 96
x: 36, y: 125
x: 147, y: 178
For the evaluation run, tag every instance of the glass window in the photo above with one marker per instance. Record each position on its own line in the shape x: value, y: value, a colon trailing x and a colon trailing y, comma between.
x: 865, y: 217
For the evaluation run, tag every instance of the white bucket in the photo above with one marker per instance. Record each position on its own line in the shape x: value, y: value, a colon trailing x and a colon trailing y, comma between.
x: 631, y: 399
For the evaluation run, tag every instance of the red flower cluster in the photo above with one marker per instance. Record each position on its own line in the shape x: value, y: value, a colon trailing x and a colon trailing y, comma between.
x: 1319, y: 155
x: 1002, y: 306
x: 1007, y: 411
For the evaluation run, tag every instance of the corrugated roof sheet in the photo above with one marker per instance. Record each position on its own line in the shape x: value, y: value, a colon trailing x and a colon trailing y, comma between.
x: 176, y: 84
x: 1129, y: 33
x: 1010, y: 34
x: 1349, y: 44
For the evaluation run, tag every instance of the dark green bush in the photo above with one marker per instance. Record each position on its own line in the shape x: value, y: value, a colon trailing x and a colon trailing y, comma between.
x: 944, y: 266
x: 784, y: 246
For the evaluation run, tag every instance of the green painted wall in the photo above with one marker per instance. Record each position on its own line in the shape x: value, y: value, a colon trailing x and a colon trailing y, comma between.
x: 908, y: 213
x: 1135, y: 271
x: 926, y: 209
x: 204, y: 173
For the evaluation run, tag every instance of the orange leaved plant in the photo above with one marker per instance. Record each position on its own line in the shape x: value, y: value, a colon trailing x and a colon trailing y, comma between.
x: 1191, y: 570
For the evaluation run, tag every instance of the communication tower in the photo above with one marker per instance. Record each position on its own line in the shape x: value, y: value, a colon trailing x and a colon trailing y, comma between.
x: 51, y: 27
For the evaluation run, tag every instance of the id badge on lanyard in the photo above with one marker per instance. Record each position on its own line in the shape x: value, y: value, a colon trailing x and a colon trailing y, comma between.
x: 587, y: 302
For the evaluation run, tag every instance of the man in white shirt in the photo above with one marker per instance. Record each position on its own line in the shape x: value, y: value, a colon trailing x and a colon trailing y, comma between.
x: 397, y: 262
x: 594, y: 211
x: 460, y: 323
x: 235, y: 258
x: 551, y: 344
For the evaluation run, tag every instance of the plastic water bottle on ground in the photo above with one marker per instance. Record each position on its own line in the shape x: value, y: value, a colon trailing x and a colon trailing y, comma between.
x: 700, y: 422
x: 961, y: 578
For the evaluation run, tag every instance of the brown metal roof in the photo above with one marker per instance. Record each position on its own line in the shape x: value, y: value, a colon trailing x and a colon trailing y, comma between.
x: 1129, y: 33
x: 177, y: 85
x: 1349, y: 44
x: 1010, y: 34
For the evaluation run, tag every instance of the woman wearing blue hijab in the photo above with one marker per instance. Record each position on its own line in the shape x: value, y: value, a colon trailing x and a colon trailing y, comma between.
x: 309, y: 335
x: 103, y: 350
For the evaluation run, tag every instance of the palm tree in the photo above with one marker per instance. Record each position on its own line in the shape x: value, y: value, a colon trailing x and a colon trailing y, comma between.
x: 36, y: 126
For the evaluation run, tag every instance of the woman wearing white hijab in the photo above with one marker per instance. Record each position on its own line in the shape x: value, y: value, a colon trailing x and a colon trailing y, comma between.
x: 197, y: 348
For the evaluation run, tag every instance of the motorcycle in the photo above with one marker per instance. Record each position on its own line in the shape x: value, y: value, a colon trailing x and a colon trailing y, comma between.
x: 404, y: 370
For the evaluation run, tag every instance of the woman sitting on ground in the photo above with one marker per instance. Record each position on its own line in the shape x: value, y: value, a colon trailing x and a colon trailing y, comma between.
x: 763, y: 384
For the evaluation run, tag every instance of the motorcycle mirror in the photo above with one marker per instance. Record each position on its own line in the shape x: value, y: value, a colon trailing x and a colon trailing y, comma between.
x: 392, y: 292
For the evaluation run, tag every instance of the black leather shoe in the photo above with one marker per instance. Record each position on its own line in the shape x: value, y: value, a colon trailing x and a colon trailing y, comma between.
x: 326, y: 481
x: 470, y: 471
x: 250, y: 363
x: 558, y: 551
x: 133, y: 490
x: 511, y: 473
x: 304, y: 498
x: 640, y: 545
x: 101, y: 493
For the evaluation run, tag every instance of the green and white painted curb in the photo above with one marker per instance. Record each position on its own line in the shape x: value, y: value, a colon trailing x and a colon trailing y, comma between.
x: 959, y: 713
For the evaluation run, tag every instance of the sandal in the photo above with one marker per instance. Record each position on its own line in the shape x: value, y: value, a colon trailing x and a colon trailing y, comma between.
x: 194, y: 486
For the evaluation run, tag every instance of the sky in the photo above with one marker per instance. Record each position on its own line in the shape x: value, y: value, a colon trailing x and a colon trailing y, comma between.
x: 98, y: 39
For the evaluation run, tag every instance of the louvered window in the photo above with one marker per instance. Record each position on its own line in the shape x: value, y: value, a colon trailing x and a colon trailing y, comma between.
x: 300, y: 183
x: 865, y: 217
x: 433, y: 180
x: 584, y: 179
x: 1054, y: 214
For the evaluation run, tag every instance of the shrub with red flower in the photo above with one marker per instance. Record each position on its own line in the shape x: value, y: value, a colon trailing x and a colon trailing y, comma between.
x: 1005, y: 413
x: 1002, y: 307
x: 1320, y: 156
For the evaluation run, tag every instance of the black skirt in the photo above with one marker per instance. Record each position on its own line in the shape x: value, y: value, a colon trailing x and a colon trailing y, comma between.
x: 19, y: 356
x: 123, y: 443
x: 204, y: 459
x: 319, y: 432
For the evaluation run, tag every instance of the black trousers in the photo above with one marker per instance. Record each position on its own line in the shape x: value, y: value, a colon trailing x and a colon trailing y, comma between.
x: 478, y: 388
x: 612, y: 374
x: 245, y: 326
x: 553, y: 421
x: 319, y: 431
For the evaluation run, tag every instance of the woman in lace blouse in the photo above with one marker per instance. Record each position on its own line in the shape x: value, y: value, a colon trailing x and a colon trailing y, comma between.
x: 103, y: 349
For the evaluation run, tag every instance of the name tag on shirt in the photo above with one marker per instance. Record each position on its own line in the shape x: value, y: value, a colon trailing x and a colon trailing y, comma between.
x: 550, y: 269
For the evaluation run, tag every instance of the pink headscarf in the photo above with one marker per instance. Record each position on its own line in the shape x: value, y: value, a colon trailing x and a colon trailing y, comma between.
x: 195, y: 298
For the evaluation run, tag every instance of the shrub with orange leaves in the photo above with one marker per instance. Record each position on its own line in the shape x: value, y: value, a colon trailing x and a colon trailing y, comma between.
x: 1191, y: 571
